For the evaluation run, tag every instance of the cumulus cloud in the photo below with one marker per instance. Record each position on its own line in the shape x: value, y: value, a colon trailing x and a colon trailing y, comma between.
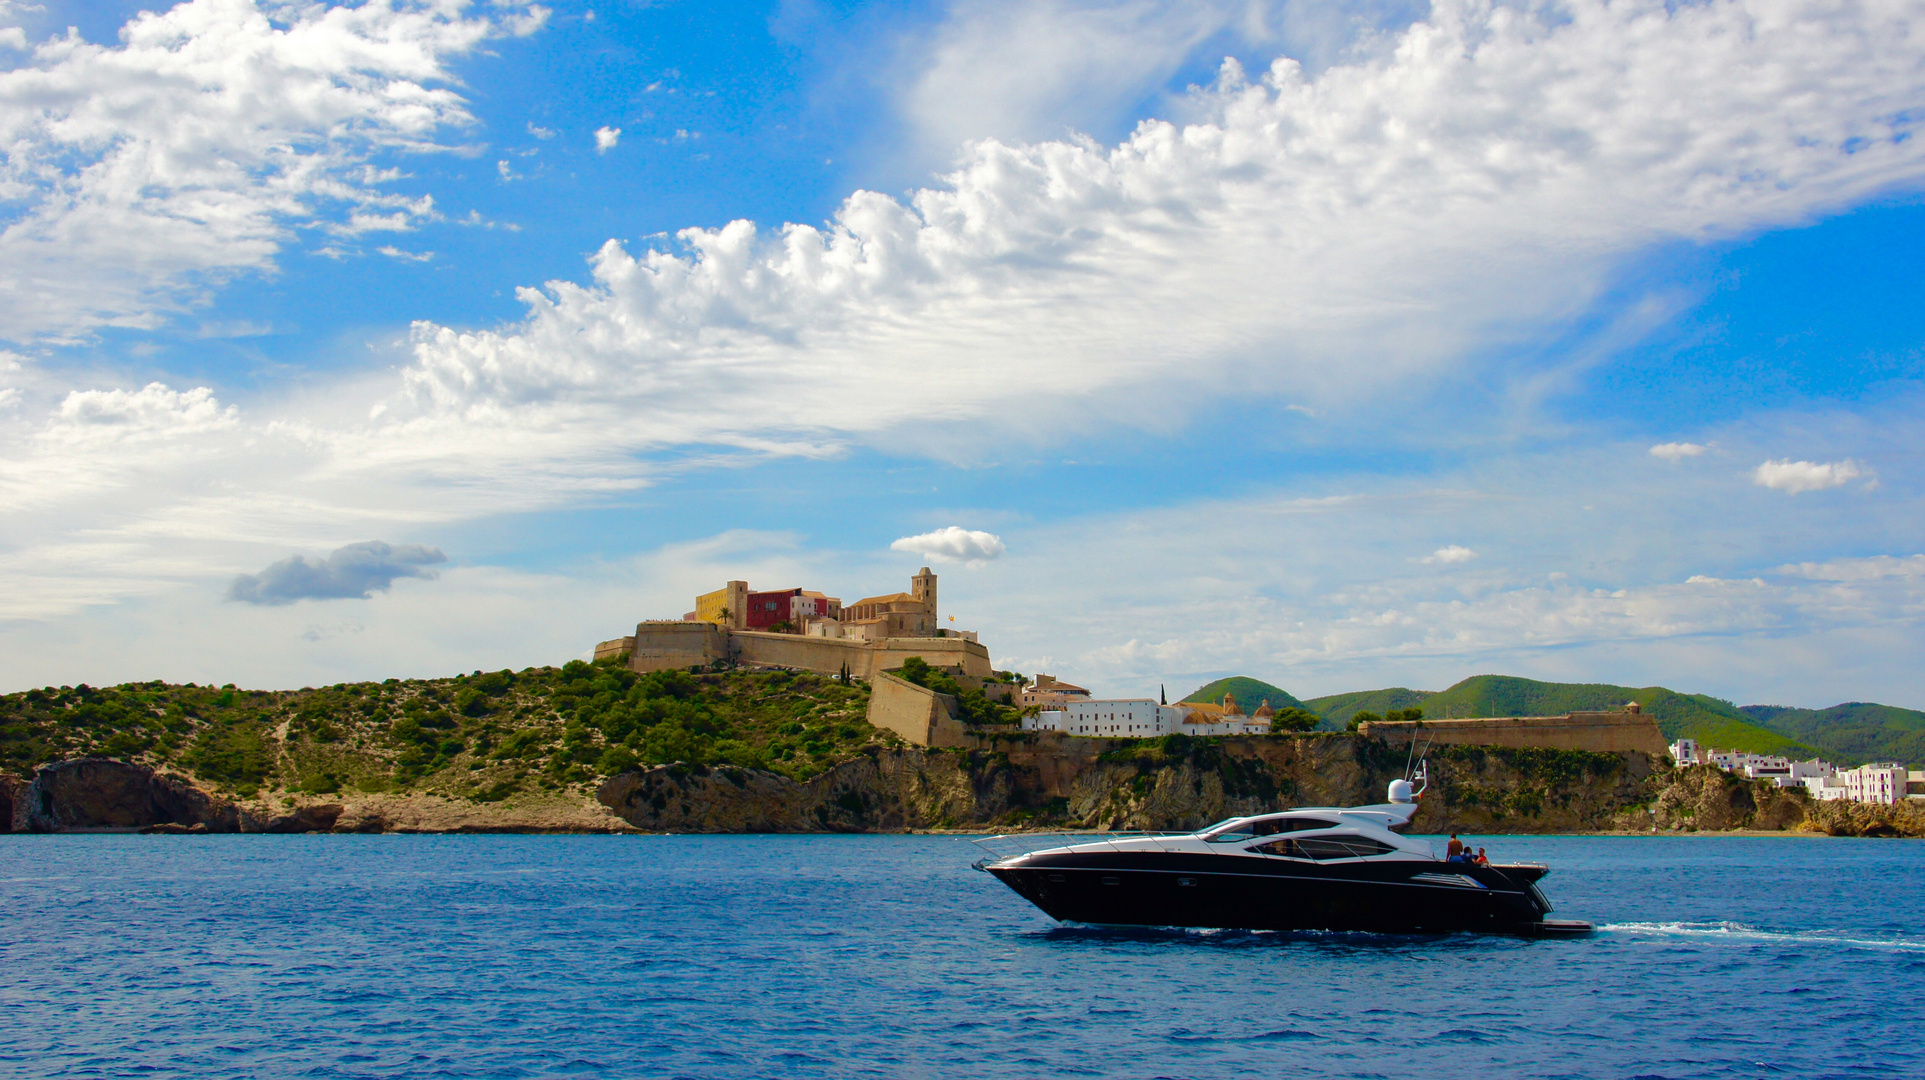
x: 1300, y: 223
x: 953, y: 544
x: 1303, y: 235
x: 137, y: 176
x: 1796, y: 477
x: 1445, y: 556
x: 155, y: 410
x: 1677, y: 451
x: 606, y: 138
x: 353, y: 572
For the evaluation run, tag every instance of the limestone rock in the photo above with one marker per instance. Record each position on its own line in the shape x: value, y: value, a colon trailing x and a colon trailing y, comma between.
x: 1840, y: 818
x: 12, y: 788
x: 99, y: 793
x: 1708, y: 799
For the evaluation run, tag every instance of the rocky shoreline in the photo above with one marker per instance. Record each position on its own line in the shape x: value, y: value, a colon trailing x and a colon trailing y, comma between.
x: 1025, y: 784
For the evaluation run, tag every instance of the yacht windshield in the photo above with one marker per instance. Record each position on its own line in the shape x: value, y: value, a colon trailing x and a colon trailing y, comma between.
x: 1235, y: 829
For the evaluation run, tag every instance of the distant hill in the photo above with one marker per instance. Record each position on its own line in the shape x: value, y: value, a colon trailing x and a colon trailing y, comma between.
x: 1850, y: 734
x: 1711, y: 721
x: 1250, y: 694
x: 1337, y: 709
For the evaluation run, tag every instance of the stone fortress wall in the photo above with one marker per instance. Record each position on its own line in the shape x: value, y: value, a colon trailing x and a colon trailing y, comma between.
x: 658, y: 646
x: 1628, y: 731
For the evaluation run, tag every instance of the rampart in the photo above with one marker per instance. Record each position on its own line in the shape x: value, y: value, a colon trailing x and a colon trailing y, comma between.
x: 918, y: 714
x: 676, y: 644
x: 1602, y: 732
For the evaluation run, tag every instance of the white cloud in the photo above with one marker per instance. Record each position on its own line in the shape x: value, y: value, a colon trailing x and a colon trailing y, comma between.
x: 1042, y: 69
x: 953, y: 544
x: 153, y: 411
x: 1445, y: 556
x: 606, y: 138
x: 139, y: 176
x: 539, y: 132
x: 1796, y: 477
x: 1677, y: 451
x: 393, y: 252
x: 1306, y: 237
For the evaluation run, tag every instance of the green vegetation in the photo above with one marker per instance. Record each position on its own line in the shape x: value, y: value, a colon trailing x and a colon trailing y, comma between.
x: 1850, y: 734
x: 1544, y: 777
x: 484, y: 736
x: 1250, y: 694
x: 1711, y: 721
x: 971, y: 703
x: 1395, y: 716
x: 1337, y: 709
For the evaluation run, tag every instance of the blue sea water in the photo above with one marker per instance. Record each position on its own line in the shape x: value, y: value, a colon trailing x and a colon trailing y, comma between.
x: 887, y: 956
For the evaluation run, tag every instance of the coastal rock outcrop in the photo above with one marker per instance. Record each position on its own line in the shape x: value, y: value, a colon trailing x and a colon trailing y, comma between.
x: 103, y: 794
x: 1708, y: 799
x: 11, y: 788
x: 1099, y: 784
x: 1841, y: 818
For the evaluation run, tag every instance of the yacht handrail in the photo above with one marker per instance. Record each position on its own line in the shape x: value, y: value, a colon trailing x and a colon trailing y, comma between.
x: 1010, y: 845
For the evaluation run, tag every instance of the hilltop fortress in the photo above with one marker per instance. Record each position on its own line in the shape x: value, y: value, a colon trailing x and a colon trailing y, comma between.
x: 807, y: 631
x: 804, y: 630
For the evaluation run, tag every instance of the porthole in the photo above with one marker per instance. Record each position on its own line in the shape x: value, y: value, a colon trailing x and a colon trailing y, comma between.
x: 1111, y: 879
x: 1186, y: 881
x: 1057, y: 877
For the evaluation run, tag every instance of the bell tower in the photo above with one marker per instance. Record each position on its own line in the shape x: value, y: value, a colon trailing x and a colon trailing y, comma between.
x: 923, y: 588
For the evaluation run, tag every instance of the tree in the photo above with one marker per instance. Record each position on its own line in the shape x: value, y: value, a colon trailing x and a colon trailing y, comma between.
x: 1294, y: 719
x: 1360, y: 718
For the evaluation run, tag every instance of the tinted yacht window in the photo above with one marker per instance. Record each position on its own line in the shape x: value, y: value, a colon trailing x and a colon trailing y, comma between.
x: 1249, y: 830
x: 1325, y: 847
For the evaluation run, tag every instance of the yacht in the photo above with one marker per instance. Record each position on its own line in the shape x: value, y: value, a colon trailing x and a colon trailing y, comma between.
x: 1312, y: 868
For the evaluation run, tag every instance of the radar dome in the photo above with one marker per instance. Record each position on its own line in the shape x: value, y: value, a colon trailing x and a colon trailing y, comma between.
x: 1400, y: 791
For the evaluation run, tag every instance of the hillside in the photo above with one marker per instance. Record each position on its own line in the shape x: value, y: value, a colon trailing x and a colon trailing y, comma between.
x: 480, y: 737
x: 1709, y: 720
x: 1337, y: 709
x: 1249, y: 692
x: 1850, y: 734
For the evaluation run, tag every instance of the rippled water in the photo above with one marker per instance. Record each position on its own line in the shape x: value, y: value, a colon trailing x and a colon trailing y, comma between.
x: 783, y: 956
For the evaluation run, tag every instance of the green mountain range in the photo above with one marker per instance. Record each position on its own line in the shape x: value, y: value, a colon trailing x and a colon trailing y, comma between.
x: 1250, y: 694
x: 1848, y: 734
x: 1337, y: 709
x: 1852, y: 733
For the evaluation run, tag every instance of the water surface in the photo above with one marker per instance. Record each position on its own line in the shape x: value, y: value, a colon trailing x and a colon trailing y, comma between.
x: 886, y: 956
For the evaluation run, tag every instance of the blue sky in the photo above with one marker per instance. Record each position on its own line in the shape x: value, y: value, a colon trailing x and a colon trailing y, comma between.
x: 1576, y: 340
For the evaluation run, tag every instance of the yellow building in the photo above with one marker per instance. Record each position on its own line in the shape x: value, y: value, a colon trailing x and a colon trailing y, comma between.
x: 727, y: 606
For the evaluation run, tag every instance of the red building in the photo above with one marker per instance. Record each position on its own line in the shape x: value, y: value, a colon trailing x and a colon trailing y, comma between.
x: 768, y: 608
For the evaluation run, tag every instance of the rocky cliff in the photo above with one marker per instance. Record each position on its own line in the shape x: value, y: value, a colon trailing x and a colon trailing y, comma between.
x: 1061, y: 782
x: 1049, y: 782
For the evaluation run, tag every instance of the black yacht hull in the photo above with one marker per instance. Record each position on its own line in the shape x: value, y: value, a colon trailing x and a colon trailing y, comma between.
x: 1170, y: 889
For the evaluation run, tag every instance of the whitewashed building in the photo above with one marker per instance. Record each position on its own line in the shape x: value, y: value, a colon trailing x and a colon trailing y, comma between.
x: 1881, y: 782
x: 1137, y: 718
x: 1687, y: 752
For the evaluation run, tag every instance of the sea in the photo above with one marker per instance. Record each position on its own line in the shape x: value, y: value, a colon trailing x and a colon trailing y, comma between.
x: 888, y: 956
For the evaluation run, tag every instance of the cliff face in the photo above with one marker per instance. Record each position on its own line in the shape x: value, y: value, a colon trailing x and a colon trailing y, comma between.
x: 1031, y: 783
x: 1708, y: 799
x: 1858, y: 819
x: 1100, y: 784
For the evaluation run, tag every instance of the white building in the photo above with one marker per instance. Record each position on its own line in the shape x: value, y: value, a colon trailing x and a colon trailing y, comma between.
x: 1687, y: 752
x: 1881, y: 782
x: 1137, y: 718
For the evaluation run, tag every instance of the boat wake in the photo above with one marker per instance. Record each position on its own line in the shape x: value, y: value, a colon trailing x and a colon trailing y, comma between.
x: 1740, y: 933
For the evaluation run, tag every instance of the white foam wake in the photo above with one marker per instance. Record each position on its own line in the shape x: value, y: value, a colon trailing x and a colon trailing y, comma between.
x: 1739, y: 932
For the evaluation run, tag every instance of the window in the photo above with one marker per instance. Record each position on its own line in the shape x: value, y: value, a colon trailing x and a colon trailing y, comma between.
x: 1232, y: 831
x: 1325, y: 847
